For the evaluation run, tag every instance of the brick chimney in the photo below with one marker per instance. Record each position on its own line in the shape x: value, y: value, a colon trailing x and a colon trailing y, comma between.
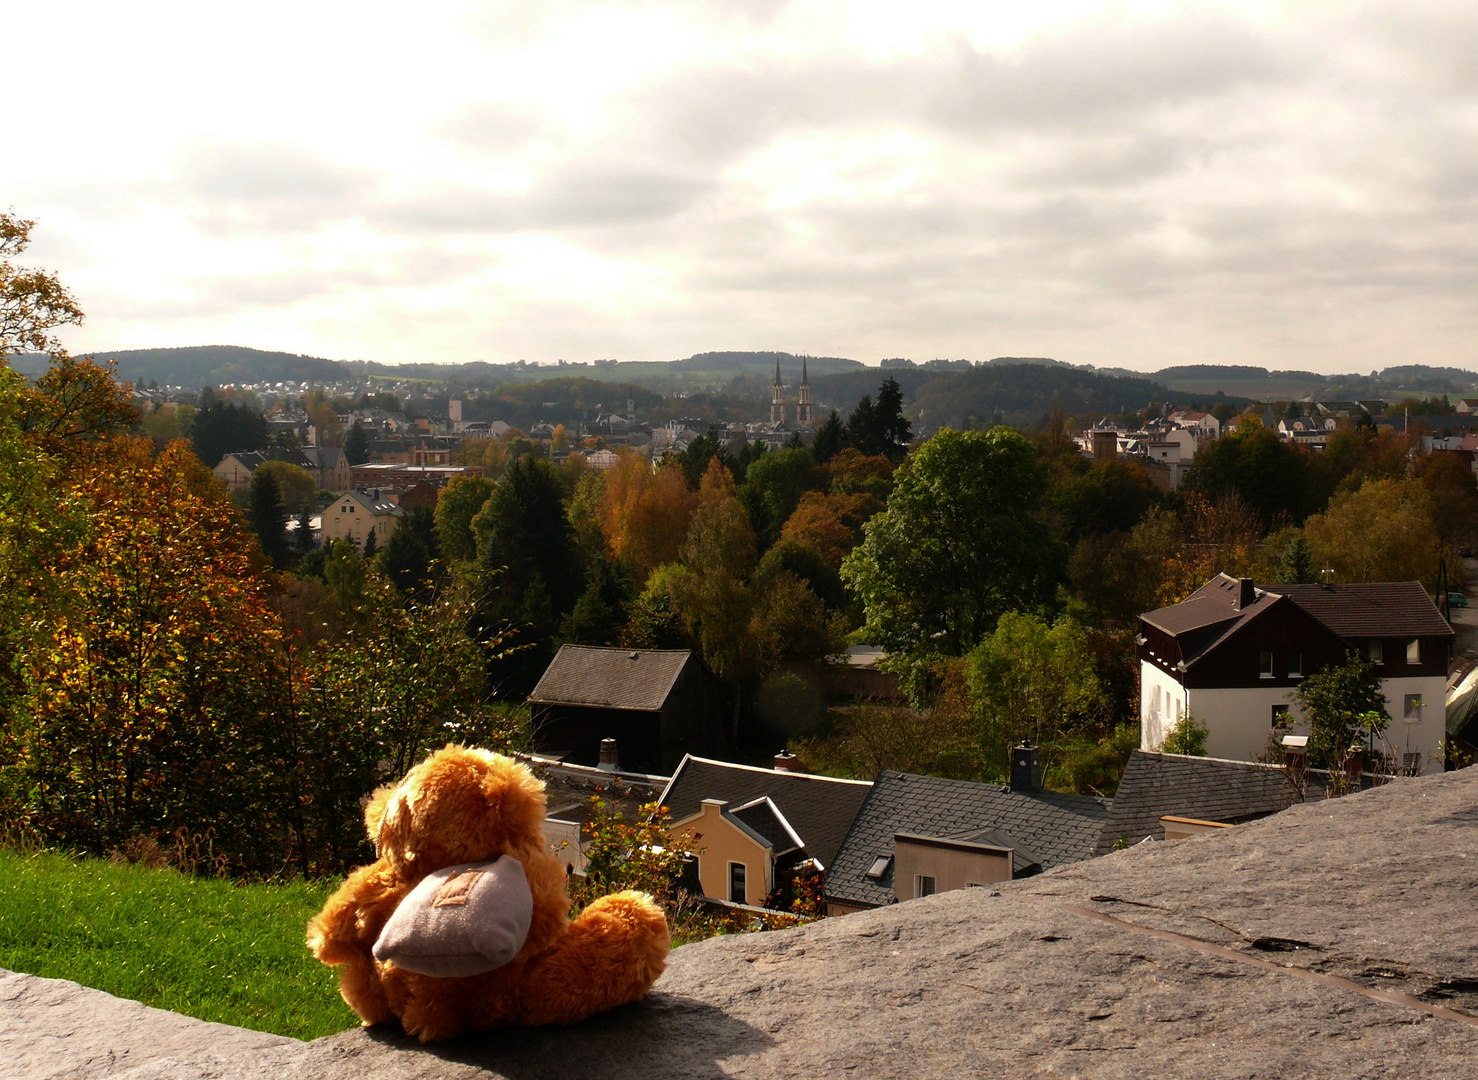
x: 608, y: 759
x: 785, y: 761
x: 1246, y: 593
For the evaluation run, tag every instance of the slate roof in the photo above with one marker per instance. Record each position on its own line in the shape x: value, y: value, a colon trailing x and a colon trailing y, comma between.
x: 819, y: 809
x: 1049, y: 828
x: 567, y: 789
x: 637, y: 679
x: 1209, y: 789
x: 763, y: 817
x: 1369, y: 610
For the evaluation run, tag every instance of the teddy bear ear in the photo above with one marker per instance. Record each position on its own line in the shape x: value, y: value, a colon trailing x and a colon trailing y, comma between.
x: 374, y: 812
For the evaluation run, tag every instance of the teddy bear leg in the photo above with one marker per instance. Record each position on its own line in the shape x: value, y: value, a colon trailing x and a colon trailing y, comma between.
x: 360, y: 986
x: 610, y: 955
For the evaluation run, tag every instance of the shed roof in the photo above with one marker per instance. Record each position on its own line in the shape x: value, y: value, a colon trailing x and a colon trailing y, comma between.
x: 1050, y: 828
x: 818, y: 809
x: 637, y: 679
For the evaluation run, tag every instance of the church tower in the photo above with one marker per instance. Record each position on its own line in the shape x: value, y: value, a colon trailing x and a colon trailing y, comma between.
x: 803, y: 407
x: 777, y: 397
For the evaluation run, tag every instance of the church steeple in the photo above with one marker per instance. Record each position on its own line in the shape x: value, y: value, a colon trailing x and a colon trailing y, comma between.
x: 777, y: 397
x: 803, y: 407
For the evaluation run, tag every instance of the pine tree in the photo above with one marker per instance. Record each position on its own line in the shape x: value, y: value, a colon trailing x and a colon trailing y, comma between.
x: 829, y: 439
x: 268, y: 518
x: 371, y: 544
x: 356, y: 445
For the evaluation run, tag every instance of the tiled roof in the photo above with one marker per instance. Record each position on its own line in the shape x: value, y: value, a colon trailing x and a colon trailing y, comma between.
x: 1374, y: 609
x: 764, y: 817
x: 1209, y: 789
x: 819, y: 809
x: 638, y: 679
x: 1053, y: 828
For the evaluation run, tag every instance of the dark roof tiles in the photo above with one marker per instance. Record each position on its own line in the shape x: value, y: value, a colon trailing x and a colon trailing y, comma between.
x: 1209, y: 789
x: 637, y: 679
x: 819, y: 808
x: 1050, y: 828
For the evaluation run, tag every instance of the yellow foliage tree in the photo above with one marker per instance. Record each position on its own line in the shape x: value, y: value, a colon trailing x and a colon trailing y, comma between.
x: 644, y: 514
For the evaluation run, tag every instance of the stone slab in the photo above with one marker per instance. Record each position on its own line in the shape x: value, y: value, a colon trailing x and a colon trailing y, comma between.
x: 1204, y: 968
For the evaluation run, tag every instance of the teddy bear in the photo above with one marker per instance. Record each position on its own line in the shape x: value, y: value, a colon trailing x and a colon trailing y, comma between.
x: 463, y: 829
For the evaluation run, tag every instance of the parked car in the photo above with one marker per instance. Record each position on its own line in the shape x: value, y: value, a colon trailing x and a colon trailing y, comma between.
x: 1465, y: 552
x: 1457, y: 599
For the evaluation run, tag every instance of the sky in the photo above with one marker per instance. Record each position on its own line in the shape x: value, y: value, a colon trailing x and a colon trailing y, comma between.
x: 1287, y: 185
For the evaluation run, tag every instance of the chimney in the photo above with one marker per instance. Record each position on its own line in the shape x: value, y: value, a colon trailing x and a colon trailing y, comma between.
x: 608, y: 760
x: 785, y: 762
x: 1246, y: 593
x: 1105, y: 445
x: 1026, y: 768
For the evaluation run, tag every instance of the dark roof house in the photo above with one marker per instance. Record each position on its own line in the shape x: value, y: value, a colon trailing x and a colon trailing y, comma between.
x: 1233, y: 654
x: 658, y: 704
x: 1039, y: 829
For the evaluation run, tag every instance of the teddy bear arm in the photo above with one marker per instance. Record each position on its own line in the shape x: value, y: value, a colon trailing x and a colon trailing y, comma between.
x: 611, y: 955
x: 346, y: 929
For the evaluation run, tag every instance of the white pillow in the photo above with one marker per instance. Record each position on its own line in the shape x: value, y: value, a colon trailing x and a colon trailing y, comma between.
x: 463, y: 920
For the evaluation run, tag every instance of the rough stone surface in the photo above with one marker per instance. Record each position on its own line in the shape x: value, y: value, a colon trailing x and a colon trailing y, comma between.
x: 1378, y: 888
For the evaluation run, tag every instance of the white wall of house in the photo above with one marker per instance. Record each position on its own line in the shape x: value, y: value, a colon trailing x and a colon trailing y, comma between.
x: 1239, y: 720
x: 1162, y: 703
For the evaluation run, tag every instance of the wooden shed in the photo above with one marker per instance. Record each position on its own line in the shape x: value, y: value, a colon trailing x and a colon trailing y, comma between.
x: 658, y: 704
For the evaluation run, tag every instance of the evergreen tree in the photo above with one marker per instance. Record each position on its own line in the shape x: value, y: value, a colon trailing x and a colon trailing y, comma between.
x: 894, y: 430
x: 303, y: 535
x: 410, y: 556
x: 829, y: 439
x: 268, y: 518
x: 356, y: 445
x: 222, y: 428
x: 862, y: 428
x: 371, y: 544
x: 1297, y: 567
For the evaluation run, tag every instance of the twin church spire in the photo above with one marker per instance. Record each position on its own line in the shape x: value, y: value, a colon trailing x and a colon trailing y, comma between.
x: 777, y: 398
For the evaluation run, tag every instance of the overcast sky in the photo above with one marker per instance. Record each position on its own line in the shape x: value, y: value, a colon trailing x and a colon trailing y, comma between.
x: 1287, y: 185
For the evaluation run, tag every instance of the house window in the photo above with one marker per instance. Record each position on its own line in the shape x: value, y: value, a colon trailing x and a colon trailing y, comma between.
x: 924, y: 886
x: 1281, y: 716
x: 1265, y: 665
x: 1411, y: 708
x: 1413, y: 651
x: 1374, y: 651
x: 1295, y: 665
x: 737, y: 894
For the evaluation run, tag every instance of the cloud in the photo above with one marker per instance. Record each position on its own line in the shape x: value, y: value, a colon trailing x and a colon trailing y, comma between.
x: 276, y: 187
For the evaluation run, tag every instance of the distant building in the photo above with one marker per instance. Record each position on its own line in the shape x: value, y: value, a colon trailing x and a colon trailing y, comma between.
x: 357, y: 514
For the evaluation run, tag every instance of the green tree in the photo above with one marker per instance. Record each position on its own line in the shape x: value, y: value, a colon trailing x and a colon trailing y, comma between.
x: 268, y: 517
x: 1270, y: 475
x: 1187, y: 737
x: 295, y: 484
x: 1030, y: 680
x: 458, y: 504
x: 1341, y: 704
x: 1383, y: 532
x: 1296, y: 565
x: 830, y: 438
x: 224, y: 427
x: 356, y: 444
x: 960, y: 544
x: 772, y: 490
x: 411, y: 557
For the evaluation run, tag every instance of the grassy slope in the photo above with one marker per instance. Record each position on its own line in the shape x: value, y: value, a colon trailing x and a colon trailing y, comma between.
x: 209, y: 949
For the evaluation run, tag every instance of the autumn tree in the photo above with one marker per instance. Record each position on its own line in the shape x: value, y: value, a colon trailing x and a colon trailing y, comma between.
x: 33, y: 303
x: 1382, y: 532
x: 645, y: 514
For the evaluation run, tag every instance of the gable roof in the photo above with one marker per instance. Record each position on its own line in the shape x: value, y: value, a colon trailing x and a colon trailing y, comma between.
x: 1372, y: 609
x: 1048, y: 828
x: 375, y: 504
x: 817, y: 809
x: 1210, y: 789
x: 637, y: 679
x: 1367, y: 610
x: 764, y: 817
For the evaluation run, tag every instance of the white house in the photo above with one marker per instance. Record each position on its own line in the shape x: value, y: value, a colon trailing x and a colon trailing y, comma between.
x: 1233, y: 654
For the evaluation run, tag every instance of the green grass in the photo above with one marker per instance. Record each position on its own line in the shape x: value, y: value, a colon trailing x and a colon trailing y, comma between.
x: 210, y: 949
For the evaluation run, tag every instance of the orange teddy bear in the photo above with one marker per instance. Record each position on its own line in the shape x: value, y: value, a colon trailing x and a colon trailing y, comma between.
x: 463, y: 829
